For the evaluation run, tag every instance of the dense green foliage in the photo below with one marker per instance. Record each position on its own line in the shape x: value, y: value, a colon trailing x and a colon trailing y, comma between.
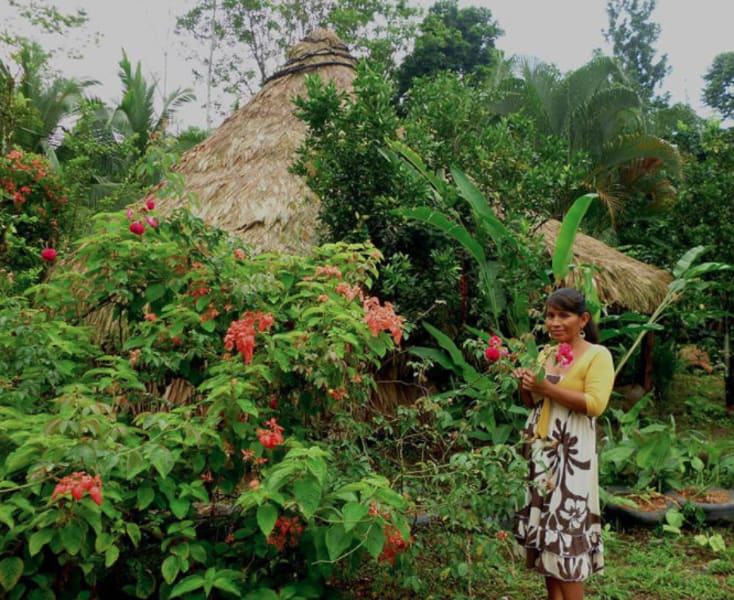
x: 460, y: 40
x: 717, y: 93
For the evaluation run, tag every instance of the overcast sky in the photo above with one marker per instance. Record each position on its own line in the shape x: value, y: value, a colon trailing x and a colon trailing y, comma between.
x: 564, y: 32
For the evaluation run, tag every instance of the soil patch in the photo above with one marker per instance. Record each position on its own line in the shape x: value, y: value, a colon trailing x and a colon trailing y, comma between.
x: 705, y: 496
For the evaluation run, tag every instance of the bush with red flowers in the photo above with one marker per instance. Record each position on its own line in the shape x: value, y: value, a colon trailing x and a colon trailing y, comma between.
x: 34, y: 214
x: 216, y: 384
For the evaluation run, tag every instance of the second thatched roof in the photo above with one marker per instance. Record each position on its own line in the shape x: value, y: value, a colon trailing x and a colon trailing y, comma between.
x: 620, y: 281
x: 241, y: 173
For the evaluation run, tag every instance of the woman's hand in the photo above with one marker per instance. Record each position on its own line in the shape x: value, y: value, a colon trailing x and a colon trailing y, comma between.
x: 529, y: 382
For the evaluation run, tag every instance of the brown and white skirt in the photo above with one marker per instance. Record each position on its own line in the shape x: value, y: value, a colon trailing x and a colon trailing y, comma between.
x: 558, y: 529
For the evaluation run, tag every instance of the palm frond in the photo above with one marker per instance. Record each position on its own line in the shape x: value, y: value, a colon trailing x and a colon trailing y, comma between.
x: 626, y: 148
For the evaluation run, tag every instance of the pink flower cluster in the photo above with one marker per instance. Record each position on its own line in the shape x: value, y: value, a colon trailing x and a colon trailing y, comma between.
x: 495, y: 350
x: 380, y: 317
x: 77, y: 484
x: 272, y: 436
x: 564, y: 354
x: 138, y: 227
x: 241, y: 334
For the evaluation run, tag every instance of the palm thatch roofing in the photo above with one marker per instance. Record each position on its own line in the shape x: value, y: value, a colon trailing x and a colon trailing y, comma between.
x: 620, y: 281
x: 240, y: 174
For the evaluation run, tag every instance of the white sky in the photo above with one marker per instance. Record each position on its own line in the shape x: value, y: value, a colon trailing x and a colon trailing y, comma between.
x: 563, y: 32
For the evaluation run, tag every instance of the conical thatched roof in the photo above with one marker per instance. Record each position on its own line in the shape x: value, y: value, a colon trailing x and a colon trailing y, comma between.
x: 621, y: 281
x: 241, y: 172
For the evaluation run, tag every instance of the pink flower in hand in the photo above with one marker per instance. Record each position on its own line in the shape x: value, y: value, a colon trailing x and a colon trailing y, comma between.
x: 564, y: 354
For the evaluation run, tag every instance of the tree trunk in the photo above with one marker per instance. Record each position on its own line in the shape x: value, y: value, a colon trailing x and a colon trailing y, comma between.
x: 648, y: 347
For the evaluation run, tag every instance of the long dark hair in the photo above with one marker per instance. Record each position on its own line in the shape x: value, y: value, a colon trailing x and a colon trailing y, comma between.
x: 571, y: 300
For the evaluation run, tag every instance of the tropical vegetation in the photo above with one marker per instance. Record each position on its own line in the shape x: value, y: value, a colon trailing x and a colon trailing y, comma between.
x: 184, y: 417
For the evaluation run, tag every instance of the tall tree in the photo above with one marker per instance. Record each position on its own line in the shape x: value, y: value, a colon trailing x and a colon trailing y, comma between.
x: 633, y: 36
x: 718, y: 93
x: 451, y: 39
x: 243, y: 41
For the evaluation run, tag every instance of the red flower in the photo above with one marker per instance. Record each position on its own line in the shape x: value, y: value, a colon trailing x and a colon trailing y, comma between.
x: 48, y: 254
x: 137, y: 228
x: 502, y: 535
x: 77, y: 484
x: 150, y: 204
x: 492, y: 354
x: 152, y: 221
x: 272, y: 436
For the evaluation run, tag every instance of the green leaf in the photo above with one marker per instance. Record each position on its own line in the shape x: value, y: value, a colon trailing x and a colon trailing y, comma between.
x: 267, y: 514
x: 154, y: 292
x: 191, y: 583
x: 135, y: 464
x: 563, y: 252
x: 162, y: 459
x: 487, y: 219
x: 438, y: 220
x: 111, y: 555
x: 11, y: 569
x: 133, y: 532
x: 353, y: 514
x: 146, y: 495
x: 686, y: 261
x: 179, y: 507
x: 446, y: 343
x: 145, y: 584
x: 209, y: 325
x: 375, y: 540
x: 38, y: 540
x: 6, y: 515
x: 308, y: 495
x: 434, y: 355
x: 170, y: 568
x: 337, y: 540
x: 71, y: 537
x: 226, y: 585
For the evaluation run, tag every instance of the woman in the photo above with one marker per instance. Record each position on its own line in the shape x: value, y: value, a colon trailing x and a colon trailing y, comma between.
x: 559, y: 527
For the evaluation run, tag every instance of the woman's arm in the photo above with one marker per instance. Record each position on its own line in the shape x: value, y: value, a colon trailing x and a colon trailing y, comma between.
x: 576, y: 401
x: 598, y: 383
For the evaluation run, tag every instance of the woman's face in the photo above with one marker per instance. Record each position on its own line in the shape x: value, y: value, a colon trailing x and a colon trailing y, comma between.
x: 564, y: 325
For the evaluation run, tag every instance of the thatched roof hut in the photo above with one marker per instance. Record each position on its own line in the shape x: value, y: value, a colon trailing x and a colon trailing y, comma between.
x: 621, y: 281
x: 240, y: 174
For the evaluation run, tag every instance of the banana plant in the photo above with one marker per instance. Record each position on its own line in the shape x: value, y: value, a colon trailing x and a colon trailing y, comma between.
x: 486, y: 225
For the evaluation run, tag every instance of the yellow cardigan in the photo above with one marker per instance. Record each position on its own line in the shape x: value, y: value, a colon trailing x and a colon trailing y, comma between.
x: 592, y: 374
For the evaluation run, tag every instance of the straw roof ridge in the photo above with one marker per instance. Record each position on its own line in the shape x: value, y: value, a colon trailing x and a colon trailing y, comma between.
x: 620, y: 280
x: 299, y: 66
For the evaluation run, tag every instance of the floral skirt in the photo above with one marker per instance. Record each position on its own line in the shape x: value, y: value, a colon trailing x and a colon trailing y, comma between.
x: 558, y: 530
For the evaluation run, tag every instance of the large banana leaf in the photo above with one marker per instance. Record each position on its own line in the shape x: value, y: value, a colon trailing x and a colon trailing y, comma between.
x: 563, y: 252
x: 484, y: 215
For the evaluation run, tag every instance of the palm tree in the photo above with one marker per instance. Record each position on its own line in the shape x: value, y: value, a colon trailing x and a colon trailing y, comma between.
x: 48, y: 103
x: 136, y: 114
x: 598, y: 111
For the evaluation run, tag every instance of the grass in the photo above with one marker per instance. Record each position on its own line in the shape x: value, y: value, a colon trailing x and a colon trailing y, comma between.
x: 641, y: 564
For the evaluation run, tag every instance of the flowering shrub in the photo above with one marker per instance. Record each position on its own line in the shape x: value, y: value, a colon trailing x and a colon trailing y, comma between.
x: 211, y: 383
x: 34, y: 213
